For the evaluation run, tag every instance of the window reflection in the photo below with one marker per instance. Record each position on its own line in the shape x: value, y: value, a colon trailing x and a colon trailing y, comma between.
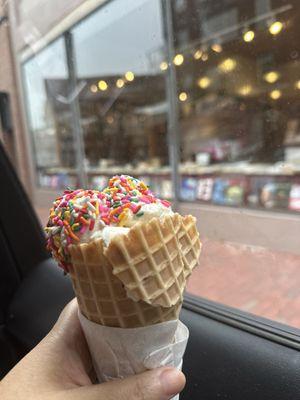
x: 49, y: 116
x: 237, y: 88
x: 123, y: 107
x: 239, y: 100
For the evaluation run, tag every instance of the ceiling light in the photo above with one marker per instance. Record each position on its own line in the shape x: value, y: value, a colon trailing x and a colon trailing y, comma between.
x: 271, y: 76
x: 178, y: 59
x: 197, y: 54
x: 182, y: 96
x: 163, y: 66
x: 204, y: 82
x: 102, y: 85
x: 275, y: 94
x: 248, y: 36
x: 93, y: 88
x: 120, y: 83
x: 245, y: 90
x: 129, y: 76
x: 228, y: 65
x: 297, y: 85
x: 275, y: 27
x: 217, y: 47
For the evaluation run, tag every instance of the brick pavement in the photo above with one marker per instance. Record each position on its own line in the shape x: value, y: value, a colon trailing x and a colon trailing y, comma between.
x: 253, y: 279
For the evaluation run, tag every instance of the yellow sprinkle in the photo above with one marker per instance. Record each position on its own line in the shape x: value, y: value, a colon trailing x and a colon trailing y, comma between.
x: 74, y: 226
x: 123, y: 217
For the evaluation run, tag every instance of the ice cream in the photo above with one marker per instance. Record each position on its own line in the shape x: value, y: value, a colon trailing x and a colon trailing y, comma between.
x: 83, y: 215
x: 127, y: 253
x: 129, y: 256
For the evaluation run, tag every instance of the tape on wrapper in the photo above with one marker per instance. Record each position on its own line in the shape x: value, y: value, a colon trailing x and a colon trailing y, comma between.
x: 118, y: 353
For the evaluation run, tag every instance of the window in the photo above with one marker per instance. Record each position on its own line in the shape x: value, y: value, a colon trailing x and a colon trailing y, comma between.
x: 240, y: 147
x: 239, y: 121
x: 214, y: 84
x: 50, y: 117
x: 123, y: 107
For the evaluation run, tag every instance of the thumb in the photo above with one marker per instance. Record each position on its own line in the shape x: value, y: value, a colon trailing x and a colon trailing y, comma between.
x: 158, y: 384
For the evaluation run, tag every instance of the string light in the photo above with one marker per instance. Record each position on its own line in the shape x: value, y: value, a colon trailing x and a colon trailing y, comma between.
x: 102, y: 85
x: 204, y: 82
x: 275, y: 27
x: 297, y: 85
x: 178, y: 59
x: 163, y: 66
x: 248, y: 36
x: 271, y: 76
x: 228, y: 65
x: 198, y: 54
x: 129, y: 76
x: 120, y: 83
x: 245, y: 90
x: 275, y: 94
x: 93, y: 88
x: 216, y: 47
x: 204, y: 57
x: 183, y: 96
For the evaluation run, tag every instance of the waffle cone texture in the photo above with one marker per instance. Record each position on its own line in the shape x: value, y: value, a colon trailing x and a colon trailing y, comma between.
x: 140, y: 277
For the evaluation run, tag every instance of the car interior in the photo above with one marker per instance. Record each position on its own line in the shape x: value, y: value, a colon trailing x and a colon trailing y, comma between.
x: 230, y: 354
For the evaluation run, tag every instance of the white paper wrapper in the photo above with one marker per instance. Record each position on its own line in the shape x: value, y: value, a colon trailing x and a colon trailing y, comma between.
x: 118, y: 353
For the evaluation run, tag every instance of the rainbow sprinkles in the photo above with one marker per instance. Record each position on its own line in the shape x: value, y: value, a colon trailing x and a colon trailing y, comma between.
x: 78, y: 213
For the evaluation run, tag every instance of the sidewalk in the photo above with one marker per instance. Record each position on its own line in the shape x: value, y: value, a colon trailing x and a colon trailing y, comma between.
x: 252, y: 279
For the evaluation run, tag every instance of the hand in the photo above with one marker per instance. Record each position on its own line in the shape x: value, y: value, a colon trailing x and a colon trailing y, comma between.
x: 60, y: 368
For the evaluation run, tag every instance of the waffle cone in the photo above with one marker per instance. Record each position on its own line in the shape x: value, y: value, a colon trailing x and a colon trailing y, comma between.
x: 139, y: 279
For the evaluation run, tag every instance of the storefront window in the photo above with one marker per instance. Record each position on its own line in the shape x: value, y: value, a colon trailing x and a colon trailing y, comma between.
x: 123, y: 106
x: 237, y: 83
x: 198, y: 96
x: 238, y: 89
x: 49, y: 116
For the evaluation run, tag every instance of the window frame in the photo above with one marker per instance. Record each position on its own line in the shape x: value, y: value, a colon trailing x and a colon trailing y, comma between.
x: 263, y: 327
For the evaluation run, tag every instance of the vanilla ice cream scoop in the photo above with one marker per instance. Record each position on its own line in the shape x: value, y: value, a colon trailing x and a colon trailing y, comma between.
x: 83, y: 215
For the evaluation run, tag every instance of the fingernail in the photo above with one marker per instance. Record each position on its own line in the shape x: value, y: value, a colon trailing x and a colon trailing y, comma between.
x: 172, y: 381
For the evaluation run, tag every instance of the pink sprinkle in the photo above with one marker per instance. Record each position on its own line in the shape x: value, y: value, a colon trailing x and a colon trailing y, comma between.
x: 165, y: 203
x: 60, y: 223
x: 83, y: 229
x: 145, y: 199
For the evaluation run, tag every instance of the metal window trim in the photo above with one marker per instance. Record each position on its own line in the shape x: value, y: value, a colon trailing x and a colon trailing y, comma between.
x: 173, y: 133
x: 268, y: 329
x: 76, y: 16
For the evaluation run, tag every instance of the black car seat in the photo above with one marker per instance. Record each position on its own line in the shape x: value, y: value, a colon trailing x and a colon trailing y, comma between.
x: 30, y: 298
